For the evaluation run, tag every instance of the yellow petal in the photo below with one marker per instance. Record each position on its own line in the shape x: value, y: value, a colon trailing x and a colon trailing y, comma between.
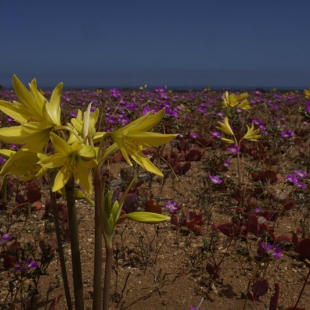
x: 52, y: 109
x: 16, y: 111
x: 62, y: 178
x: 53, y: 161
x: 228, y: 140
x: 60, y: 145
x: 145, y: 163
x: 146, y: 217
x: 83, y: 178
x: 27, y: 99
x: 150, y: 138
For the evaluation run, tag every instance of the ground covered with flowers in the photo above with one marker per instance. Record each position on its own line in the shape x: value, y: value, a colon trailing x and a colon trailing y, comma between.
x: 236, y: 187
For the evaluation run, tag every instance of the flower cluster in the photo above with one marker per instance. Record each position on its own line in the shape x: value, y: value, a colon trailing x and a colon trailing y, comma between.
x: 296, y: 177
x: 272, y: 250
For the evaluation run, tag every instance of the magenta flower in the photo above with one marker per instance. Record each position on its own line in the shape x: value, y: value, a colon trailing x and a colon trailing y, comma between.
x: 270, y: 249
x: 301, y: 174
x: 287, y: 134
x: 215, y: 179
x: 216, y: 134
x: 194, y: 135
x: 26, y: 265
x: 171, y: 206
x: 5, y: 238
x: 234, y: 149
x: 226, y: 163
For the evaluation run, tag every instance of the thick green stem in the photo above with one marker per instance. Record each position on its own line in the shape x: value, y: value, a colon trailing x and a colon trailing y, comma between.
x: 59, y: 243
x: 107, y: 277
x: 75, y: 248
x: 98, y: 243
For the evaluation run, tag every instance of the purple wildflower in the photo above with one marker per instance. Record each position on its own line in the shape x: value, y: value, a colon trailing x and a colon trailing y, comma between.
x: 270, y: 249
x: 234, y: 149
x: 194, y: 135
x: 114, y: 93
x: 226, y: 163
x: 308, y: 107
x: 171, y: 206
x: 5, y: 238
x: 216, y: 134
x: 287, y: 134
x: 257, y: 122
x: 24, y: 266
x: 292, y: 178
x: 301, y: 174
x: 215, y: 179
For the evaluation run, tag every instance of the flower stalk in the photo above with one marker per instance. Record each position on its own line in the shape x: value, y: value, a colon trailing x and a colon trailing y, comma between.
x: 75, y: 248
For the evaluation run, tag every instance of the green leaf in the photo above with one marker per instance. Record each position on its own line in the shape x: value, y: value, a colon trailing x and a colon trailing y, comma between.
x: 146, y: 217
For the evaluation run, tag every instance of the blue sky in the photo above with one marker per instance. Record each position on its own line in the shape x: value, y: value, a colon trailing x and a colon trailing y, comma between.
x: 199, y: 43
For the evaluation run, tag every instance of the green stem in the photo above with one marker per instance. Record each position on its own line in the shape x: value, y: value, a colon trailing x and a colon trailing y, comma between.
x: 75, y: 248
x: 107, y: 277
x: 59, y: 243
x: 98, y: 242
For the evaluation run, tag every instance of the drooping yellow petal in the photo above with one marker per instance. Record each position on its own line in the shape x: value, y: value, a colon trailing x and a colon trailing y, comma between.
x: 252, y: 134
x: 20, y: 163
x: 133, y: 138
x: 83, y: 178
x: 145, y: 163
x: 225, y: 127
x: 228, y: 140
x: 62, y: 178
x: 16, y: 111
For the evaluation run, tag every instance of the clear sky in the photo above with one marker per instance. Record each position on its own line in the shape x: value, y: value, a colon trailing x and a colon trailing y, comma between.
x: 130, y: 43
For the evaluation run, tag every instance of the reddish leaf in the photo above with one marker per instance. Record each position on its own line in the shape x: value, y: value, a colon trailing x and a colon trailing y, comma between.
x: 8, y: 260
x: 303, y: 248
x: 33, y: 195
x: 282, y: 241
x: 289, y: 204
x: 265, y: 176
x: 252, y: 224
x: 263, y: 228
x: 183, y: 169
x: 274, y: 300
x: 193, y: 155
x: 175, y: 220
x: 229, y: 229
x: 54, y: 304
x: 212, y: 271
x: 295, y: 239
x: 150, y: 206
x: 36, y: 206
x: 260, y: 288
x: 131, y: 203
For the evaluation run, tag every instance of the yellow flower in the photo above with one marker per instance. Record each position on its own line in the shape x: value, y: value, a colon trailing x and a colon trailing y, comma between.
x: 73, y: 159
x: 133, y: 138
x: 307, y: 93
x: 252, y: 134
x: 36, y: 115
x: 225, y: 127
x: 21, y: 163
x: 85, y: 126
x: 238, y: 101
